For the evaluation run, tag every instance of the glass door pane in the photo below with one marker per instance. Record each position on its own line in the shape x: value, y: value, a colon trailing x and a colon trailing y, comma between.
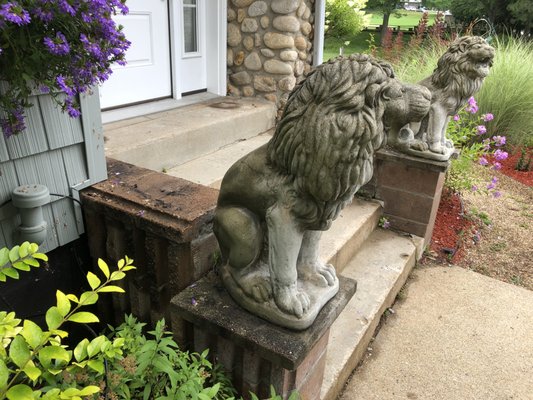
x: 190, y: 26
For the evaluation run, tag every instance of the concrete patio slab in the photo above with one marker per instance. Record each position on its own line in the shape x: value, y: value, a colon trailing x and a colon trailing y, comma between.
x: 458, y: 335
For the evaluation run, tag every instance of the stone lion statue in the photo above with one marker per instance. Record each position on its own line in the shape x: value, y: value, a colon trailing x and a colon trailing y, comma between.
x: 275, y: 201
x: 459, y: 75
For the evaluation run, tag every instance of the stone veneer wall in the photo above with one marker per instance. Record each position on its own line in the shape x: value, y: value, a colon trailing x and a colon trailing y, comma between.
x: 270, y: 47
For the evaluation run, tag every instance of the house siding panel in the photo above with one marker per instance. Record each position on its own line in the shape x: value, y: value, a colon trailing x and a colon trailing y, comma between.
x: 61, y: 130
x: 33, y: 140
x: 62, y: 153
x: 46, y: 169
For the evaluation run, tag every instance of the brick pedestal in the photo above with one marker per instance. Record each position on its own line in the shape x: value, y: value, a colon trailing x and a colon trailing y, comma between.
x: 410, y: 189
x: 255, y: 353
x: 163, y: 223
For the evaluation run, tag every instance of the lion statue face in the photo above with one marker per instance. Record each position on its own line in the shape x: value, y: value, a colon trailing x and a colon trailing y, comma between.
x: 469, y: 58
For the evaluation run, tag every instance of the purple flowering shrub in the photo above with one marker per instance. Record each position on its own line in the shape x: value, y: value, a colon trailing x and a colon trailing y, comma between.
x: 468, y: 132
x: 55, y: 47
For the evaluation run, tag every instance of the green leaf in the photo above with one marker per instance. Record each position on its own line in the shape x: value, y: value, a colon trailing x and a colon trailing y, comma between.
x: 2, y: 277
x: 83, y: 317
x: 88, y: 390
x: 97, y: 365
x: 63, y: 303
x: 33, y: 248
x: 80, y: 351
x: 73, y: 298
x: 49, y: 353
x: 53, y: 318
x: 32, y: 371
x: 117, y: 275
x: 93, y: 280
x: 40, y: 256
x: 4, y: 256
x: 32, y: 333
x: 88, y: 298
x: 11, y: 272
x: 4, y: 374
x: 103, y: 267
x: 96, y: 344
x: 121, y: 263
x: 20, y: 392
x: 31, y: 262
x: 14, y: 254
x: 19, y: 351
x: 21, y: 266
x: 23, y: 249
x: 111, y: 289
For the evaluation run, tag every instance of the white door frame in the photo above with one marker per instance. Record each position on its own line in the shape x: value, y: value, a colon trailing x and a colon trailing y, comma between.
x: 216, y: 27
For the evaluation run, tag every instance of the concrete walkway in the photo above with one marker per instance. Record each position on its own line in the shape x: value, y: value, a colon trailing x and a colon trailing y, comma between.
x: 458, y: 335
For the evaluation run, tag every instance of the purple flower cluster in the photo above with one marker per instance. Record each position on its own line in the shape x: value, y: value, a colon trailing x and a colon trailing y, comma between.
x: 472, y: 106
x: 14, y: 13
x: 465, y: 128
x: 56, y: 45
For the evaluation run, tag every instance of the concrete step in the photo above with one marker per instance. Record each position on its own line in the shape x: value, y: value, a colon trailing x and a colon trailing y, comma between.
x: 166, y: 139
x: 380, y: 267
x: 209, y: 169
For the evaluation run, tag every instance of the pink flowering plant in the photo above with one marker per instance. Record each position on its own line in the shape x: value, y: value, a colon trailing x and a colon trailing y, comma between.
x: 468, y: 131
x: 60, y: 47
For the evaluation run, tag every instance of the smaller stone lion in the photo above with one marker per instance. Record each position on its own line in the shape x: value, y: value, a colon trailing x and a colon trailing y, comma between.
x: 459, y: 75
x: 275, y: 201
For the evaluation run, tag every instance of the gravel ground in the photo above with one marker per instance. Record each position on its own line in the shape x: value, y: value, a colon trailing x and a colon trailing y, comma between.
x: 505, y: 247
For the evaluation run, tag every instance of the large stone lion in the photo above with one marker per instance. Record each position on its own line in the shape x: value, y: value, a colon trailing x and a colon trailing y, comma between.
x: 459, y: 75
x: 275, y: 201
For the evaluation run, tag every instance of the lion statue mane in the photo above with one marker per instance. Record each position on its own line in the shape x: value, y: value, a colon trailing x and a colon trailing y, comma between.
x: 275, y: 201
x: 459, y: 75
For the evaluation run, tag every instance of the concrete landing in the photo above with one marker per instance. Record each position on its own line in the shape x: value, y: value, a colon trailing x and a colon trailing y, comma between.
x: 380, y: 268
x: 209, y: 169
x: 457, y: 335
x: 163, y: 140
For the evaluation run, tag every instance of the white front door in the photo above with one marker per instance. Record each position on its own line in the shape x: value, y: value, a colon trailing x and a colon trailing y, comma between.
x: 193, y: 46
x: 147, y: 73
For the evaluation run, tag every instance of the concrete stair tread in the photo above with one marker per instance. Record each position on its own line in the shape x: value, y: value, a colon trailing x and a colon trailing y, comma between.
x: 380, y: 267
x: 166, y: 139
x: 209, y: 169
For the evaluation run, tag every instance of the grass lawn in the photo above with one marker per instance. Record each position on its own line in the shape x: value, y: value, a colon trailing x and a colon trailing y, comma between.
x: 358, y: 44
x: 406, y: 19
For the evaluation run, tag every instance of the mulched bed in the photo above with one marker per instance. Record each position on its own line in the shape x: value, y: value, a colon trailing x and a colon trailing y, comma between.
x: 508, y: 167
x: 452, y: 228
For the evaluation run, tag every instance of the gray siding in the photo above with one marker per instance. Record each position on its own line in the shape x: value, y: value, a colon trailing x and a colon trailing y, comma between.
x: 57, y: 151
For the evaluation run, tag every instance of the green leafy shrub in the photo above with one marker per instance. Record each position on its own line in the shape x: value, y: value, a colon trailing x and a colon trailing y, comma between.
x: 126, y: 364
x: 32, y: 360
x: 344, y: 17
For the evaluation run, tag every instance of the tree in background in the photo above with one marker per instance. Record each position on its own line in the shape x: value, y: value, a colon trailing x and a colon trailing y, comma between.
x: 522, y: 15
x: 344, y: 18
x: 503, y: 14
x: 388, y: 8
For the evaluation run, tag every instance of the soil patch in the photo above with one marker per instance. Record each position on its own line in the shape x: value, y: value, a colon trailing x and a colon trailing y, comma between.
x: 486, y: 234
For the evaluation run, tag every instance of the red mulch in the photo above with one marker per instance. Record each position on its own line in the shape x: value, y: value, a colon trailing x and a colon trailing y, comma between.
x: 508, y: 167
x: 451, y: 226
